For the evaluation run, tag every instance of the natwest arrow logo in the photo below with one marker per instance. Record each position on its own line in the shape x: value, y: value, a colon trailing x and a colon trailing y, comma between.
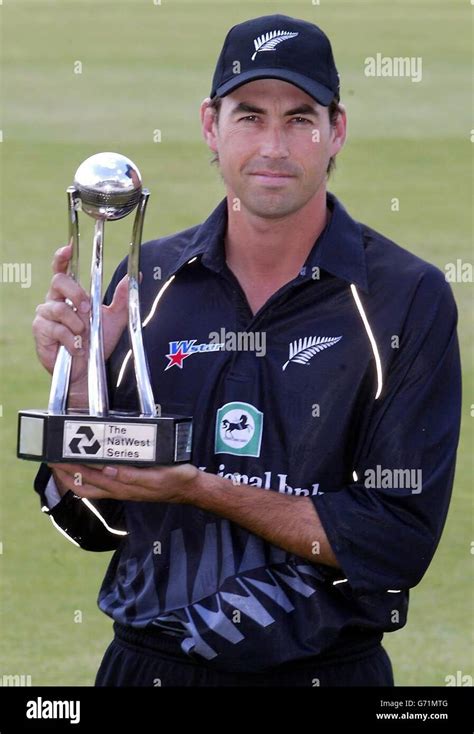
x: 84, y: 442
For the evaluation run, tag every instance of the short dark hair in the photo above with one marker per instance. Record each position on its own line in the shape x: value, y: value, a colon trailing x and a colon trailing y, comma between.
x: 333, y: 112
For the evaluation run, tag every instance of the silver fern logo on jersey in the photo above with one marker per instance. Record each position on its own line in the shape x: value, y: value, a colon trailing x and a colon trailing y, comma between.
x: 269, y: 41
x: 301, y: 351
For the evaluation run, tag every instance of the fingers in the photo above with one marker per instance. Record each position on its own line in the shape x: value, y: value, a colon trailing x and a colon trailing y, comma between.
x: 47, y: 333
x: 62, y: 313
x: 113, y: 478
x: 62, y: 286
x: 87, y: 491
x: 61, y: 259
x: 82, y: 479
x: 63, y: 318
x: 155, y: 484
x: 152, y: 477
x: 57, y: 323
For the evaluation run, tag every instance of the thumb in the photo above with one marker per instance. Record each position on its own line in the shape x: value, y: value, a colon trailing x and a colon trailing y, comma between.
x: 120, y: 298
x: 115, y: 317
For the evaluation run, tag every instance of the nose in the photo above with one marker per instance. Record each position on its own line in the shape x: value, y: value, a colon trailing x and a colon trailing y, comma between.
x: 274, y: 144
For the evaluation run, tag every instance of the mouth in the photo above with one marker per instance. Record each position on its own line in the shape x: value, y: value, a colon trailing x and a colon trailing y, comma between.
x: 271, y: 177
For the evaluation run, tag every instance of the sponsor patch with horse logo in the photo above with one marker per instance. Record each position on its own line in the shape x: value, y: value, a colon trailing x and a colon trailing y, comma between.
x: 238, y: 429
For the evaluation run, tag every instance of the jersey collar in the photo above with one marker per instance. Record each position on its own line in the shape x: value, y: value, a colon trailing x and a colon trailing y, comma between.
x: 339, y: 250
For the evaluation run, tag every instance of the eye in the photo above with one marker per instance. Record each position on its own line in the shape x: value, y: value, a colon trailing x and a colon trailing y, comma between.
x: 301, y: 120
x: 249, y: 118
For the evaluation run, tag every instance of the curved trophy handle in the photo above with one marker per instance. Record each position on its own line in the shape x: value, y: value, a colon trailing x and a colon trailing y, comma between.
x: 142, y: 375
x: 62, y: 367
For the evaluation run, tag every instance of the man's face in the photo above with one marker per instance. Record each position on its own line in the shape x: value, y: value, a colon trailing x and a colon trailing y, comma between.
x: 274, y: 143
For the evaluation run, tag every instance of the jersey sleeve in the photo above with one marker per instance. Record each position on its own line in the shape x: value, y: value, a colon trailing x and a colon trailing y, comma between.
x: 384, y: 527
x: 94, y: 525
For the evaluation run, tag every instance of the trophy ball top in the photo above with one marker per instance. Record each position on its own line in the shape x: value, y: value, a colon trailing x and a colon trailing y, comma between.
x: 109, y: 186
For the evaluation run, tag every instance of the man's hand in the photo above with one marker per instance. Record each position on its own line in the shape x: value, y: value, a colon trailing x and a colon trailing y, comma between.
x: 157, y: 484
x: 288, y: 522
x: 57, y: 322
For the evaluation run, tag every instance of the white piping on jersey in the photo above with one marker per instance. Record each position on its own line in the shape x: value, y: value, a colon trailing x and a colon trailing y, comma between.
x: 355, y: 295
x: 155, y: 302
x: 373, y: 343
x: 59, y: 529
x: 145, y: 322
x: 93, y: 509
x: 389, y: 591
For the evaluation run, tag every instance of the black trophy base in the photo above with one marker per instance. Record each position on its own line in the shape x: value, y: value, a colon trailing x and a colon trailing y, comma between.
x: 115, y: 439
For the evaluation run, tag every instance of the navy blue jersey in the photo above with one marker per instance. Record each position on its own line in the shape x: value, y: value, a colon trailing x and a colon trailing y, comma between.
x: 344, y: 388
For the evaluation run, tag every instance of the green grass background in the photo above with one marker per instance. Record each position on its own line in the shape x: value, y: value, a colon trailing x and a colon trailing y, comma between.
x: 148, y: 67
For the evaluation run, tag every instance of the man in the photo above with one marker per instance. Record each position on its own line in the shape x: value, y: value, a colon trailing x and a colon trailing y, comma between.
x: 323, y: 461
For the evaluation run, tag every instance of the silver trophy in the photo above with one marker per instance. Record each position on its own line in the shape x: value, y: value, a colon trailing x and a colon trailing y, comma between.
x: 107, y: 186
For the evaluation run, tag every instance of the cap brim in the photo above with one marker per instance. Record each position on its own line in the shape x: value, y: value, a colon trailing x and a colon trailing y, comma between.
x: 319, y: 92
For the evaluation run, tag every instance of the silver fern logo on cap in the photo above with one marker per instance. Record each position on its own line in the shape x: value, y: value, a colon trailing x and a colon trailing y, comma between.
x: 302, y: 350
x: 268, y: 41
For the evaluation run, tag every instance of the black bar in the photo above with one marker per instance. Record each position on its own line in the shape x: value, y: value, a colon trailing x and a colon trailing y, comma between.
x: 143, y: 710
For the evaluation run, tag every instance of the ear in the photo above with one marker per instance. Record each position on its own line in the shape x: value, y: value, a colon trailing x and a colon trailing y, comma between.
x: 339, y: 131
x: 209, y: 124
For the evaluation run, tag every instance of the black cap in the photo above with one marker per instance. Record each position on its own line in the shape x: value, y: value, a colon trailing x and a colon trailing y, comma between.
x: 277, y: 47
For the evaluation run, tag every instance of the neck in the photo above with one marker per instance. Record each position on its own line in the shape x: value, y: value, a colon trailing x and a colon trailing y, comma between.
x: 273, y: 250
